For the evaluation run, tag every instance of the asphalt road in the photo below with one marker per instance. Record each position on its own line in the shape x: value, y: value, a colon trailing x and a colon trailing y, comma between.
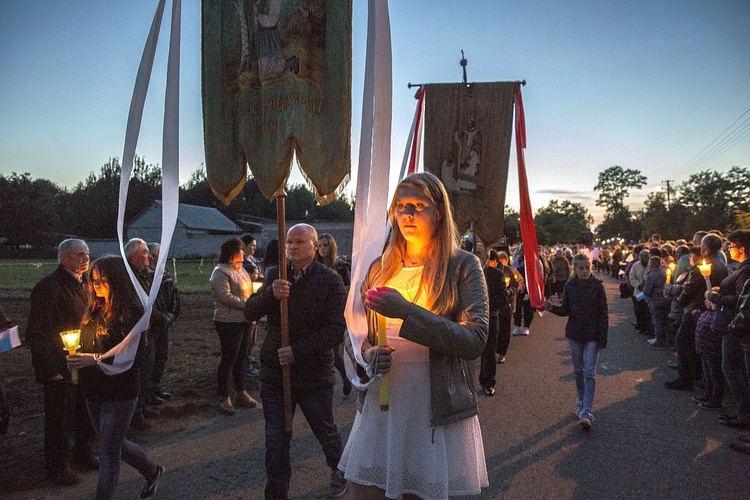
x: 647, y: 442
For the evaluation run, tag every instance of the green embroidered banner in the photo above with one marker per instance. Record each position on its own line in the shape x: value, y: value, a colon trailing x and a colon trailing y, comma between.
x: 277, y: 81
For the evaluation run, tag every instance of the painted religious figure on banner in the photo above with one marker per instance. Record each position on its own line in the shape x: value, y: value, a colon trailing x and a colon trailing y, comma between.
x: 461, y: 169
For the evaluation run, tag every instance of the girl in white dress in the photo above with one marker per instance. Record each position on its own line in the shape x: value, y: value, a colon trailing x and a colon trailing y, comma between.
x: 428, y: 444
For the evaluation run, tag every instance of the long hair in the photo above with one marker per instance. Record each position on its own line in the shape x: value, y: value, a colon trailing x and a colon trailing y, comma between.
x: 123, y: 301
x: 329, y: 261
x: 443, y: 246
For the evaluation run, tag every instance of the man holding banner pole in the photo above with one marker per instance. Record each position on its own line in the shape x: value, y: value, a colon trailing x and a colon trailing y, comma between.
x: 316, y: 298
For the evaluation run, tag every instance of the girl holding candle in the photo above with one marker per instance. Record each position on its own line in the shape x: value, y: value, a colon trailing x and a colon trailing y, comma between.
x: 111, y: 399
x: 433, y: 299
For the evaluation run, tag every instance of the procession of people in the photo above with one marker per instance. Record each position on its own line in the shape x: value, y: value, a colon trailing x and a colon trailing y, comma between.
x: 440, y: 303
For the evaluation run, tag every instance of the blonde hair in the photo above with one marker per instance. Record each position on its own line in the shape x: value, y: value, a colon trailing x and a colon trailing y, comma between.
x: 444, y: 245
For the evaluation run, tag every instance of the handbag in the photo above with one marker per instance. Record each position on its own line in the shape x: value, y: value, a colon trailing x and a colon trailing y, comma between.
x: 739, y: 327
x: 625, y: 291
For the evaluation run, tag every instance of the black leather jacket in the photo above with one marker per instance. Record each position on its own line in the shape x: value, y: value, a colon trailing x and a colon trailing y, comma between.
x: 453, y: 340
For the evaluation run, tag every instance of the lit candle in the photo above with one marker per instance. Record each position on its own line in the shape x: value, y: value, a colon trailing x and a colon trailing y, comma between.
x: 382, y: 342
x: 705, y: 269
x: 256, y: 286
x: 72, y: 342
x: 507, y: 281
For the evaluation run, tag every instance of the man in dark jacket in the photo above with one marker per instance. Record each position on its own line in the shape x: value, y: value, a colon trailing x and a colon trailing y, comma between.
x: 58, y: 303
x: 316, y: 297
x: 499, y: 311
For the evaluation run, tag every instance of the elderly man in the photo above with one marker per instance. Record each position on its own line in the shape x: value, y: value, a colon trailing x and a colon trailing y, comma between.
x: 138, y: 256
x: 168, y: 300
x: 58, y: 303
x: 316, y: 297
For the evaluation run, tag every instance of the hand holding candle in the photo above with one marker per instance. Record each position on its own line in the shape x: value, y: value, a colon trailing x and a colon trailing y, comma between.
x: 71, y: 342
x: 705, y: 270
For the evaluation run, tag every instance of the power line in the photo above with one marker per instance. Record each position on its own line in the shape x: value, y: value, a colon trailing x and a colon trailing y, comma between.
x: 726, y: 140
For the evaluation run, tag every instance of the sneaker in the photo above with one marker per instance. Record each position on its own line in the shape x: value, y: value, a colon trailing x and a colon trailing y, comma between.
x: 489, y: 391
x: 524, y: 330
x: 338, y: 483
x: 245, y: 400
x: 517, y: 330
x: 579, y: 408
x: 501, y: 360
x: 149, y: 490
x: 226, y: 407
x: 585, y: 420
x: 652, y: 341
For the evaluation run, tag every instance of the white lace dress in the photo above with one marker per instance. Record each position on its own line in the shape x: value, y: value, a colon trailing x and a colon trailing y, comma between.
x: 398, y: 450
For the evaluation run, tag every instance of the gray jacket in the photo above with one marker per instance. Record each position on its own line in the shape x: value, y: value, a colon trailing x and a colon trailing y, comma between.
x: 453, y: 340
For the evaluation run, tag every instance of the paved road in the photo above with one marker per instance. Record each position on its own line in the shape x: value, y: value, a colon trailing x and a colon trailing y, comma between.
x: 647, y: 442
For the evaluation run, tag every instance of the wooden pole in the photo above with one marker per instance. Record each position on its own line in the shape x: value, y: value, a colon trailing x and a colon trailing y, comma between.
x: 286, y: 374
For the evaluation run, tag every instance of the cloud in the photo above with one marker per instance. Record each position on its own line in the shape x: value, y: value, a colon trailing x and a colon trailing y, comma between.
x: 567, y: 194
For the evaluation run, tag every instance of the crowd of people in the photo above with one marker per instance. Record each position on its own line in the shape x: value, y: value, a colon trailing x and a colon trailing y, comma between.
x: 434, y: 303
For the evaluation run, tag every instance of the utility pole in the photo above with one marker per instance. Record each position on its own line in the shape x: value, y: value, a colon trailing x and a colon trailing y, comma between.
x: 669, y: 194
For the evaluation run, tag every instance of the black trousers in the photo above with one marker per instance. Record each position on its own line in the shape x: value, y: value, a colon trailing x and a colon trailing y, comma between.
x: 235, y: 341
x: 503, y: 336
x: 65, y: 417
x: 689, y: 364
x: 487, y: 367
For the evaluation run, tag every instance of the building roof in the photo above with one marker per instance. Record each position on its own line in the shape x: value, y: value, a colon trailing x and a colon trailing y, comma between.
x: 202, y: 218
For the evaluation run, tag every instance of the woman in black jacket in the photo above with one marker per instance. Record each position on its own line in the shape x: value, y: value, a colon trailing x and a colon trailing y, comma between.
x: 111, y: 399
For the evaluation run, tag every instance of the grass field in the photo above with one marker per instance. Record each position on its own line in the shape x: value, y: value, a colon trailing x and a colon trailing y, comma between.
x: 191, y: 275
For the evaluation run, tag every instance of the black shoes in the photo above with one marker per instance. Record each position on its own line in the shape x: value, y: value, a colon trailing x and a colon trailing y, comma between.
x: 153, y: 400
x: 163, y: 394
x: 489, y: 391
x: 65, y: 477
x: 679, y: 385
x: 149, y: 490
x: 736, y: 422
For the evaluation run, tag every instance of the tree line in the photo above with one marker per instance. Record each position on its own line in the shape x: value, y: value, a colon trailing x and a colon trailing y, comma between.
x: 37, y: 212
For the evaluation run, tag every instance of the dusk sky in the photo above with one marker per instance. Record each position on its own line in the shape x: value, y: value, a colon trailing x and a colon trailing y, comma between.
x: 658, y: 86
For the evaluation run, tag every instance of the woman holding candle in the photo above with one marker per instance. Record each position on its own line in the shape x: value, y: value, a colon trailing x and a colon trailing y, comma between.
x: 111, y: 399
x: 433, y: 300
x: 231, y: 286
x: 691, y: 298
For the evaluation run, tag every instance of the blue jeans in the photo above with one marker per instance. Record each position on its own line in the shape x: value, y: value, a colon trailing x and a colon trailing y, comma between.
x: 584, y: 354
x: 111, y: 421
x: 317, y: 406
x: 661, y: 322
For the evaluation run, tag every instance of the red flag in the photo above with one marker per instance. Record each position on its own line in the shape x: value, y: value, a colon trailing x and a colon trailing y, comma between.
x: 532, y: 262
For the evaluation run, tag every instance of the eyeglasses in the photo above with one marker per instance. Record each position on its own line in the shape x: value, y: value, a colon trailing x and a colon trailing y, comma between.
x: 732, y: 245
x: 99, y: 282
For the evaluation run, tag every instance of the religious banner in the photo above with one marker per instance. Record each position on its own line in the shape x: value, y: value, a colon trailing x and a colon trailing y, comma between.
x: 467, y: 145
x: 277, y: 82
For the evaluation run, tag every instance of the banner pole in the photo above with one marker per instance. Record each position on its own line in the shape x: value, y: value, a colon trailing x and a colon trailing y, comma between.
x: 286, y: 374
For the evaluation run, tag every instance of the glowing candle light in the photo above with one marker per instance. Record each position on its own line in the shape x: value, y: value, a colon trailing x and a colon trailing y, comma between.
x: 705, y: 269
x: 72, y: 342
x: 507, y: 281
x: 256, y: 286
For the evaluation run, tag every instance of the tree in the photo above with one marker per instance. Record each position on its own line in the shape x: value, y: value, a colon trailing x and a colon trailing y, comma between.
x: 561, y: 222
x: 714, y: 198
x: 512, y: 225
x: 93, y: 204
x: 614, y: 186
x: 29, y: 211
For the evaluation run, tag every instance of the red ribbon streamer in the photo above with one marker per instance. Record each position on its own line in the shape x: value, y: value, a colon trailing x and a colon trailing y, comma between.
x: 532, y: 262
x: 418, y: 123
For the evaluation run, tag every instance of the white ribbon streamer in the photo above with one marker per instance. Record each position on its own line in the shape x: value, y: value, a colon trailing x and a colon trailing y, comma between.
x: 370, y: 227
x: 124, y: 353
